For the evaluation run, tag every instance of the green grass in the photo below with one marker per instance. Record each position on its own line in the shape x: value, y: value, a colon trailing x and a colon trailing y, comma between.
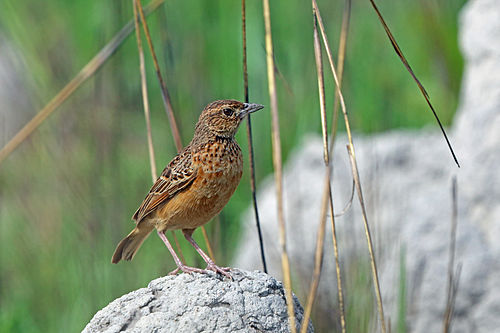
x: 67, y: 194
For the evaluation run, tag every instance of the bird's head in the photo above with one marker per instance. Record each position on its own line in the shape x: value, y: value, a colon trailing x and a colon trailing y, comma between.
x: 222, y: 118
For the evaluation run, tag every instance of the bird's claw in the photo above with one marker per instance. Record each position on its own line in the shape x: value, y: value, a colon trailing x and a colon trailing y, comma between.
x: 186, y: 269
x: 211, y: 267
x: 221, y: 270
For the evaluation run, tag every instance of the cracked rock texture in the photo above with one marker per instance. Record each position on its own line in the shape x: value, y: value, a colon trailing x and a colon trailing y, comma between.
x: 406, y: 177
x: 252, y: 302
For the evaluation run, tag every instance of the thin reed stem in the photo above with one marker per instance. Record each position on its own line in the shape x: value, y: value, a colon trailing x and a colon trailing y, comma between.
x: 168, y: 108
x: 329, y: 171
x: 454, y: 290
x: 86, y: 72
x: 337, y: 257
x: 346, y: 19
x: 251, y: 160
x: 327, y: 199
x: 354, y: 170
x: 278, y: 172
x: 164, y: 92
x: 451, y: 291
x: 401, y: 56
x: 318, y: 256
x: 144, y: 89
x: 209, y: 247
x: 340, y: 67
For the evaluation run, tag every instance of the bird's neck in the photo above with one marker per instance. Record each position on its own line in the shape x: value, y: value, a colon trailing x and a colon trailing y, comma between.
x: 203, y: 137
x: 223, y: 139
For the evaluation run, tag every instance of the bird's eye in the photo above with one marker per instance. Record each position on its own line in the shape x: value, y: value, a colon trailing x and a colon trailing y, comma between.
x: 228, y: 112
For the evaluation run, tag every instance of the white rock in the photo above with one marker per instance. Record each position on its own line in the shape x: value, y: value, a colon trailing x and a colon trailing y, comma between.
x: 252, y: 302
x: 406, y: 177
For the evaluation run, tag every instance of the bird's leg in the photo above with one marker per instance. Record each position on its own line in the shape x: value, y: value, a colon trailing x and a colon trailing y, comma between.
x: 178, y: 262
x: 210, y: 263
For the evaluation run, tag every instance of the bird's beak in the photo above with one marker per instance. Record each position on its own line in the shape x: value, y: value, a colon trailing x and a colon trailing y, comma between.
x: 249, y: 108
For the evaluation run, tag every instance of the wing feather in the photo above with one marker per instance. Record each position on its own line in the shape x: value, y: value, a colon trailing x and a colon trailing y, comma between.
x: 176, y: 177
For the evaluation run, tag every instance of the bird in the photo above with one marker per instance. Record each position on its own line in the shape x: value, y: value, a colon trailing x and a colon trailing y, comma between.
x: 194, y: 186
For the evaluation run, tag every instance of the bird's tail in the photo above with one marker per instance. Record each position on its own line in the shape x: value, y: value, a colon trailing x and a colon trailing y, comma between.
x: 128, y: 247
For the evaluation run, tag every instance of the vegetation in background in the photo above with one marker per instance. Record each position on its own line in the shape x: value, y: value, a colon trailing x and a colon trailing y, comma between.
x: 67, y: 194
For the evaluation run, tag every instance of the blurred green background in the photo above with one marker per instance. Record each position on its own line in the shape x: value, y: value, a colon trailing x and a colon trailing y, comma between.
x: 67, y: 194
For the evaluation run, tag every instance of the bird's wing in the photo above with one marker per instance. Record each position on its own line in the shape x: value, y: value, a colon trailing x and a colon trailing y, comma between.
x: 177, y: 176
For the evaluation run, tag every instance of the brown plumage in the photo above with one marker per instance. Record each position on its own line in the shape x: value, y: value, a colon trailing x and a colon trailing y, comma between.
x: 195, y: 185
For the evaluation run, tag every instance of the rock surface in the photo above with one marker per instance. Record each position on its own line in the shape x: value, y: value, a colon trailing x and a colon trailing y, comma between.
x: 252, y: 302
x: 406, y: 178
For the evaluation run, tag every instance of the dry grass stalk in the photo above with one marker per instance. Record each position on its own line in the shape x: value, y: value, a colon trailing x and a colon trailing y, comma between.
x: 170, y: 113
x: 346, y: 19
x: 327, y: 200
x: 349, y: 202
x: 251, y: 160
x: 276, y: 144
x: 209, y: 246
x: 355, y: 172
x: 86, y: 72
x: 354, y: 169
x: 164, y: 92
x: 417, y: 81
x: 144, y: 89
x: 318, y: 255
x: 341, y: 57
x: 452, y: 280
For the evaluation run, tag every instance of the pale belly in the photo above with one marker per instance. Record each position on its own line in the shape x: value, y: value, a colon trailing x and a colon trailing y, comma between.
x: 204, y: 199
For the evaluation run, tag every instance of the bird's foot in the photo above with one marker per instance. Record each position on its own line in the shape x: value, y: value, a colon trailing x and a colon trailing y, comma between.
x: 221, y: 270
x: 187, y: 269
x: 211, y: 267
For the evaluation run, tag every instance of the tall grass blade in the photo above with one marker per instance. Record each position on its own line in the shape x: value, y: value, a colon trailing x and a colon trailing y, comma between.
x: 163, y: 87
x: 452, y: 283
x: 251, y: 160
x: 278, y: 172
x: 420, y: 86
x: 353, y: 167
x: 355, y: 172
x: 327, y: 199
x: 144, y: 89
x: 168, y: 109
x: 318, y: 255
x: 86, y: 72
x: 348, y: 205
x: 209, y: 246
x: 346, y: 19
